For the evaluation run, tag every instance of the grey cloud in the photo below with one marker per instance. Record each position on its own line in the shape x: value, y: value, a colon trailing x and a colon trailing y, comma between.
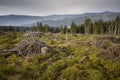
x: 46, y: 7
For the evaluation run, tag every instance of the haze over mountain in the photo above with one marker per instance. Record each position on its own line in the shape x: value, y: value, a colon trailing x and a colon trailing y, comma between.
x: 55, y: 20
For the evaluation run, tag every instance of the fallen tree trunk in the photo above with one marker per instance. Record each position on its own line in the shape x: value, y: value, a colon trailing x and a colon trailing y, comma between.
x: 7, y: 53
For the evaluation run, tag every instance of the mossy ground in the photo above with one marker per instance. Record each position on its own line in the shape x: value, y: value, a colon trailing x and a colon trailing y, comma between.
x: 61, y: 63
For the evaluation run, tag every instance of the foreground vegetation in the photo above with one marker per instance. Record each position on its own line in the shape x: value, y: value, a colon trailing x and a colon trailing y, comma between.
x: 90, y: 51
x: 67, y: 59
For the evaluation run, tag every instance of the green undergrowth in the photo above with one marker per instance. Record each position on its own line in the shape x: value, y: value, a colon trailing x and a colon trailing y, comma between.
x: 8, y: 40
x: 60, y: 63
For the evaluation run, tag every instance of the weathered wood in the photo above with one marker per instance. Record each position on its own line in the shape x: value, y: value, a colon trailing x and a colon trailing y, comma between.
x: 29, y: 46
x: 7, y: 53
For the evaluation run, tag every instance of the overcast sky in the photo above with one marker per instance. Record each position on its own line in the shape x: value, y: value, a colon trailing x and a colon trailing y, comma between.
x: 49, y: 7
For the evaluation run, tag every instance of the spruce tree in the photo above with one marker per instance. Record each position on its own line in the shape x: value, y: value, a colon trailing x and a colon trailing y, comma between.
x: 73, y: 28
x: 88, y: 26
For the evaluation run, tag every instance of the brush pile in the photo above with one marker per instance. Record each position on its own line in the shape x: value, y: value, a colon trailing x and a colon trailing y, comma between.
x: 30, y: 44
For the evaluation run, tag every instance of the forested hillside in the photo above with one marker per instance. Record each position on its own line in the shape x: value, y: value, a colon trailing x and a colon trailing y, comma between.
x: 55, y: 20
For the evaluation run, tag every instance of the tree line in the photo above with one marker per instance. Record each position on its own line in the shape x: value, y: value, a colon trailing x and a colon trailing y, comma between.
x: 14, y: 28
x: 102, y: 27
x: 97, y: 27
x: 9, y: 28
x: 88, y: 27
x: 74, y: 29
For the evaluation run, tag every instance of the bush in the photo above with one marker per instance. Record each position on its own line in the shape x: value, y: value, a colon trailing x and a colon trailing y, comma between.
x: 3, y: 77
x: 8, y: 67
x: 71, y: 73
x: 106, y: 45
x: 54, y: 70
x: 29, y: 73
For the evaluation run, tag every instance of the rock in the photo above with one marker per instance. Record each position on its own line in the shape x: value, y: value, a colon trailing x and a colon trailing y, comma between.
x: 44, y: 50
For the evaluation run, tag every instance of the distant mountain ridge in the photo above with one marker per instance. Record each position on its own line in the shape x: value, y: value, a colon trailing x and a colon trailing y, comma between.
x: 54, y: 20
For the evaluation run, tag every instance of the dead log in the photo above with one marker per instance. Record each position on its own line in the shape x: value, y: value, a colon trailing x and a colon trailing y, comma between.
x: 6, y: 54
